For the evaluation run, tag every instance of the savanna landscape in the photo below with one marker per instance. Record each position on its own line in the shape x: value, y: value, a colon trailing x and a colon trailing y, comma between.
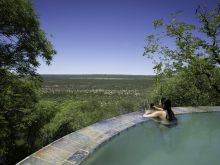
x: 38, y: 107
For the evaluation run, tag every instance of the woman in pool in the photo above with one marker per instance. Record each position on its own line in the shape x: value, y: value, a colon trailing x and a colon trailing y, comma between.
x: 164, y: 113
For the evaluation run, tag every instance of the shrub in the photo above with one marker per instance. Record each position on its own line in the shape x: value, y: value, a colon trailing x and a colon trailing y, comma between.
x: 188, y: 89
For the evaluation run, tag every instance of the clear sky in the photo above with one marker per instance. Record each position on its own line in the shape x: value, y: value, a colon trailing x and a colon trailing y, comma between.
x: 104, y: 36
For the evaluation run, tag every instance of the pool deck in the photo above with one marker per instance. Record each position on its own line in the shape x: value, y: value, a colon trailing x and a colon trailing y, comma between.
x: 73, y: 148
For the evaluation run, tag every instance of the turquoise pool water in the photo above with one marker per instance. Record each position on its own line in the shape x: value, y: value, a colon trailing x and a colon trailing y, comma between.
x: 194, y: 140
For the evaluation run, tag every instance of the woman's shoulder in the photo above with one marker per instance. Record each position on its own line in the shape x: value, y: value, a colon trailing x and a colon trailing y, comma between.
x: 161, y: 115
x: 156, y: 114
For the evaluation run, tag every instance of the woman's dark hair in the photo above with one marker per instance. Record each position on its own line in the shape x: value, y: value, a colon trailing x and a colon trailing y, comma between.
x: 162, y: 100
x: 166, y: 102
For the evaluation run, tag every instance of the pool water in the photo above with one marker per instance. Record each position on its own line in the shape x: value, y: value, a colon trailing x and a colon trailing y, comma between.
x: 194, y: 140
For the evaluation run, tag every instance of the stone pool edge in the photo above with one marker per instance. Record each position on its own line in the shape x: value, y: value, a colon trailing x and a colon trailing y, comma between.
x: 73, y: 148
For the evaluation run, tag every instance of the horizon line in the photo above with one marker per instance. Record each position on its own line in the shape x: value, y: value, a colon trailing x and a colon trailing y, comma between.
x: 97, y: 74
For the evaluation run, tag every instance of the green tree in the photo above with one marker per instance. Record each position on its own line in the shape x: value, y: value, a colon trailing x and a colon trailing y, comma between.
x: 22, y: 42
x: 194, y: 53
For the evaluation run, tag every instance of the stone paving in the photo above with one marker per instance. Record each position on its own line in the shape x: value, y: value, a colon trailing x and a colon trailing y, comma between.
x: 73, y: 148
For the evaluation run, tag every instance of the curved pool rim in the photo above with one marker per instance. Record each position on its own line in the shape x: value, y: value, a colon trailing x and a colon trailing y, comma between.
x: 75, y: 147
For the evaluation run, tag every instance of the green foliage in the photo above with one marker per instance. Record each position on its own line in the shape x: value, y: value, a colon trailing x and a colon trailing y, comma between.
x: 188, y: 90
x: 67, y: 103
x: 79, y: 101
x: 191, y: 64
x: 75, y: 110
x: 43, y: 113
x: 17, y: 99
x: 22, y: 40
x: 21, y: 43
x: 158, y: 23
x: 71, y: 116
x: 130, y: 104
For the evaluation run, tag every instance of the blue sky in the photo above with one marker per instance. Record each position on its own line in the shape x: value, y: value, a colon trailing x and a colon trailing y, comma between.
x: 104, y: 36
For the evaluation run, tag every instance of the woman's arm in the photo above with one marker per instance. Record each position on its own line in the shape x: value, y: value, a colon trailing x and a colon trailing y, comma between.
x: 157, y: 108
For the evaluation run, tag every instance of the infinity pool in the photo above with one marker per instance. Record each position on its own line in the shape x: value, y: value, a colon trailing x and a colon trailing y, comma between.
x: 194, y: 140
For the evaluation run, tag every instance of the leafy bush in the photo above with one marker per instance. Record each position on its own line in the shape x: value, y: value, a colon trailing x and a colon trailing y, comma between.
x: 190, y: 63
x: 72, y: 115
x: 189, y: 89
